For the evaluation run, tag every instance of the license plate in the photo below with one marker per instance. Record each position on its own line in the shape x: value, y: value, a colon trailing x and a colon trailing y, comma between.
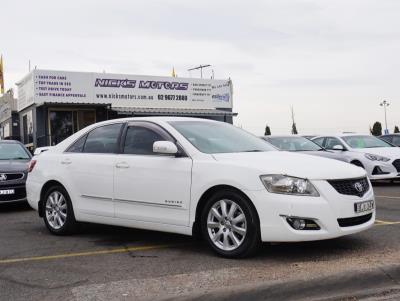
x: 363, y: 206
x: 7, y: 191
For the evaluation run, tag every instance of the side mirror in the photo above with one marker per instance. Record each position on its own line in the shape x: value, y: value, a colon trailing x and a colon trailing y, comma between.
x: 338, y: 147
x: 165, y: 147
x: 40, y: 150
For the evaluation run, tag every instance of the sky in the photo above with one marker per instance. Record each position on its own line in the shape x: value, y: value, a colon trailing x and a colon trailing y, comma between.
x: 333, y: 61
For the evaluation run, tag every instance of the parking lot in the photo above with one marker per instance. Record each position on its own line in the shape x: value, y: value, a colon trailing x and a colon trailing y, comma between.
x: 109, y: 263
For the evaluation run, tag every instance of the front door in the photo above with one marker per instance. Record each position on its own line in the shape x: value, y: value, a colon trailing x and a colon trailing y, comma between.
x: 147, y: 186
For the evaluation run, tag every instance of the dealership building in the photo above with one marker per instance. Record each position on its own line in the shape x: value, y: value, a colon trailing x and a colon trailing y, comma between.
x: 53, y: 105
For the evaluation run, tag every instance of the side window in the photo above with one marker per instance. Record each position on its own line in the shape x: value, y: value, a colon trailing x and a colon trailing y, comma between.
x: 139, y: 140
x: 319, y: 141
x: 103, y: 139
x: 396, y: 140
x: 331, y: 142
x: 388, y: 138
x: 77, y: 147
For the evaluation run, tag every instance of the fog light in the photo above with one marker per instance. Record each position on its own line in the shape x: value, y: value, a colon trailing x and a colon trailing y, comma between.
x: 302, y: 224
x: 299, y: 224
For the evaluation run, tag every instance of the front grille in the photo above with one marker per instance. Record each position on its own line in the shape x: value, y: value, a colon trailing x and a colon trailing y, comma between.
x: 351, y: 186
x: 354, y: 221
x: 5, y: 177
x: 19, y: 193
x: 396, y: 164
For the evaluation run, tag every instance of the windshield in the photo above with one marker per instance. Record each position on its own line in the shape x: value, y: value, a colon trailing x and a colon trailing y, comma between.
x: 13, y: 151
x: 294, y: 144
x: 365, y: 142
x: 220, y: 137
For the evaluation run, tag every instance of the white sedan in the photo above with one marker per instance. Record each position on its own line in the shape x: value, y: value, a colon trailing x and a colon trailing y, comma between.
x: 194, y: 176
x: 380, y: 159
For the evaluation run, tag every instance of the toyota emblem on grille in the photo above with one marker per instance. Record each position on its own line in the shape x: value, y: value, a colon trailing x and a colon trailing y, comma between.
x: 358, y: 186
x: 3, y: 177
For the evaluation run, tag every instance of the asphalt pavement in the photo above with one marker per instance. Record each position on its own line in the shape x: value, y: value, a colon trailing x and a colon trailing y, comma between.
x: 114, y: 263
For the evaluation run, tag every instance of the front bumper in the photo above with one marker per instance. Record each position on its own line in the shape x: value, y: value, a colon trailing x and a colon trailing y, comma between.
x: 387, y: 170
x: 324, y: 210
x: 19, y: 194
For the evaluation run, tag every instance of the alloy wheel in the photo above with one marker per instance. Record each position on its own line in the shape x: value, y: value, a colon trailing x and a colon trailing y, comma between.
x: 226, y: 225
x: 56, y: 210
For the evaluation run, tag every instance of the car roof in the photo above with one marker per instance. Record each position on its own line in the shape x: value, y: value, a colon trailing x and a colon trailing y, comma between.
x: 283, y: 136
x: 155, y: 119
x: 394, y: 134
x: 10, y: 142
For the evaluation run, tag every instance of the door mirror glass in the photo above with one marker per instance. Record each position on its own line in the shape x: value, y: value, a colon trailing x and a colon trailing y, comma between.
x: 165, y: 147
x: 338, y: 147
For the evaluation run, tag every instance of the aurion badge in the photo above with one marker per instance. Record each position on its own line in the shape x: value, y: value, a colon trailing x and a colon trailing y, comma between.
x: 358, y: 186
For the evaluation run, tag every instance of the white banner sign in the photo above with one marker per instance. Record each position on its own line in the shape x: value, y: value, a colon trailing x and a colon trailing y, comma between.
x: 122, y: 90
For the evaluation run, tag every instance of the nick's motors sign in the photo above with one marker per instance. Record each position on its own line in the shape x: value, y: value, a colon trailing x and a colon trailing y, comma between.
x: 122, y: 90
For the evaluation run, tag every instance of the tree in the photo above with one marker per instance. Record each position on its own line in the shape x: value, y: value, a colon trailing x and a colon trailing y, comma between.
x: 376, y: 129
x: 294, y: 129
x: 267, y: 131
x: 396, y: 129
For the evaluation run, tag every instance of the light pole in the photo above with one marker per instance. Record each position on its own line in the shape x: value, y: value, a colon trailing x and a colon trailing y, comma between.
x: 201, y: 69
x: 385, y: 104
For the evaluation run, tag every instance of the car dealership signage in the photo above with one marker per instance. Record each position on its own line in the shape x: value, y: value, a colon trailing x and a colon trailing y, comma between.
x: 121, y: 90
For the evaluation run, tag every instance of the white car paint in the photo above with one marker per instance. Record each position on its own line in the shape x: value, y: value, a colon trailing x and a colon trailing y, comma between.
x: 162, y: 192
x: 358, y: 154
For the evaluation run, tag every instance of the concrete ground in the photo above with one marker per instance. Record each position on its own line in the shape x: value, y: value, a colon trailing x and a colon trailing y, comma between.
x: 113, y: 263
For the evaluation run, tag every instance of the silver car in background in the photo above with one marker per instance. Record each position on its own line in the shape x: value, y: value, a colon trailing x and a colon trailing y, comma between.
x: 293, y: 143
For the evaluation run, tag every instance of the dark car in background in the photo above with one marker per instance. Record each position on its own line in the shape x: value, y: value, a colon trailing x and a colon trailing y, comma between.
x: 14, y: 161
x: 392, y: 138
x: 293, y: 143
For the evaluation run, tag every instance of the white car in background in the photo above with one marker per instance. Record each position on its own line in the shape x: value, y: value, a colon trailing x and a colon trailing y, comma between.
x: 380, y: 159
x: 189, y: 176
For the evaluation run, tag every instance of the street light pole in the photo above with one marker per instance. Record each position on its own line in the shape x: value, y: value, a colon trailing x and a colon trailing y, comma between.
x: 385, y: 104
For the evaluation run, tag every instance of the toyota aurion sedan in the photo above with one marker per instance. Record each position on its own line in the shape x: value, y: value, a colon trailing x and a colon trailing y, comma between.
x: 194, y: 176
x: 294, y: 143
x: 380, y: 159
x: 14, y: 159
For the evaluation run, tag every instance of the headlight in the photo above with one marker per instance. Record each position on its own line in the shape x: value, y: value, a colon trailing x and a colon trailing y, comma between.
x: 373, y: 157
x: 288, y: 185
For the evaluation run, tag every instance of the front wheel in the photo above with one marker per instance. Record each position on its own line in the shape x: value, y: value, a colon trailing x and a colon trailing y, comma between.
x: 230, y: 225
x: 58, y: 212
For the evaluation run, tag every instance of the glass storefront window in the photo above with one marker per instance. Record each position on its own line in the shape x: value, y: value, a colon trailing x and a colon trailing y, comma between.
x: 64, y: 123
x: 27, y: 127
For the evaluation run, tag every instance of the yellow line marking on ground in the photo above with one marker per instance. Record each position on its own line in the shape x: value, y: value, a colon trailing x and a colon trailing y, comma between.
x: 381, y: 223
x: 88, y: 253
x: 387, y: 197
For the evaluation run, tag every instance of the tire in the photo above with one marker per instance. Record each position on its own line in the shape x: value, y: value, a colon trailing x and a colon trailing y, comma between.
x: 231, y: 233
x: 58, y: 213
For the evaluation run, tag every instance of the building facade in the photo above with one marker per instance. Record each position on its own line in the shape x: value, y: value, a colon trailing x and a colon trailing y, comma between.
x: 9, y: 118
x: 53, y: 105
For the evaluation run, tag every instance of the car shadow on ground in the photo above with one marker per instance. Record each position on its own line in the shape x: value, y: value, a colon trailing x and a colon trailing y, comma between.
x: 14, y: 207
x: 386, y: 183
x: 109, y: 236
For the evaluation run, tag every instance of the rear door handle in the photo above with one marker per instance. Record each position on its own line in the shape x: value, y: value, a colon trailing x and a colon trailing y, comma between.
x: 66, y: 161
x: 122, y: 165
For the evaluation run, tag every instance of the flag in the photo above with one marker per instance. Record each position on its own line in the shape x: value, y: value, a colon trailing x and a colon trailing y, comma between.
x: 1, y: 76
x: 173, y: 72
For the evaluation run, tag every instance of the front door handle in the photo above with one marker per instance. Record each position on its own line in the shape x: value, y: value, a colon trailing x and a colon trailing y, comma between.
x: 66, y: 161
x: 122, y: 165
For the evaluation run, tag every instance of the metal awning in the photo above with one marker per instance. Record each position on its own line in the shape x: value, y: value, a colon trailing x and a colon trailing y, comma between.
x: 172, y: 111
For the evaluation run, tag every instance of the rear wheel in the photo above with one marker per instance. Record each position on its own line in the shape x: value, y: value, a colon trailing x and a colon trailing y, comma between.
x: 58, y: 212
x: 230, y: 225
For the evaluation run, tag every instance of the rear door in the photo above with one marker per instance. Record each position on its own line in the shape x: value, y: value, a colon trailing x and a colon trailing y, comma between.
x: 148, y: 186
x: 89, y: 166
